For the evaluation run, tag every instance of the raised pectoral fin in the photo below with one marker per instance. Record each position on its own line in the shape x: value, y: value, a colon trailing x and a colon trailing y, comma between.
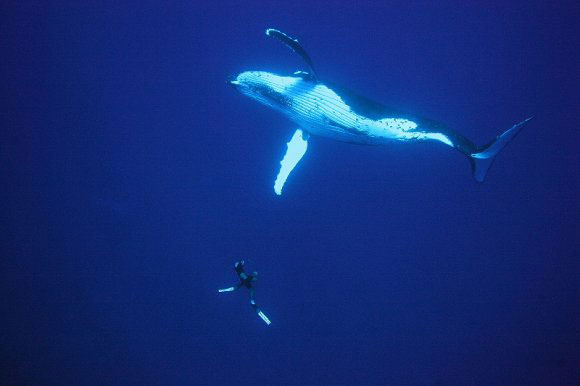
x: 294, y: 46
x: 296, y: 150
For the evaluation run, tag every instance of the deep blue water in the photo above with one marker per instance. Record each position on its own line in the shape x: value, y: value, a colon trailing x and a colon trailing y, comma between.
x: 133, y: 178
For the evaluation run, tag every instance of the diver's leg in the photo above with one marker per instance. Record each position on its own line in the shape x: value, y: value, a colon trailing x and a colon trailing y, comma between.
x: 259, y: 312
x: 252, y: 301
x: 257, y: 309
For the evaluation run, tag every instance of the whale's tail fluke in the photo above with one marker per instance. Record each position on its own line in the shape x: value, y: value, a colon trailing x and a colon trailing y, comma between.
x: 483, y: 158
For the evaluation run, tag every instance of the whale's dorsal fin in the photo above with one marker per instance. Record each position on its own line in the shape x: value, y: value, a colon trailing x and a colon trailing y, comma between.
x: 294, y: 46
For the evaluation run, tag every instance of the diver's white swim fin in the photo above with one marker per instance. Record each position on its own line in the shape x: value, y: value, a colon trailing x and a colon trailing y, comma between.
x: 264, y: 317
x: 296, y: 150
x: 227, y: 289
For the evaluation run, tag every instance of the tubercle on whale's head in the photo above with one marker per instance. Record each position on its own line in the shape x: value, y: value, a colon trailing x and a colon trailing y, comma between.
x: 266, y: 87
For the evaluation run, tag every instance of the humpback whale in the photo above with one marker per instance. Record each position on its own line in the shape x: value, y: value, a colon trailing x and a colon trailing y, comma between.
x: 324, y: 109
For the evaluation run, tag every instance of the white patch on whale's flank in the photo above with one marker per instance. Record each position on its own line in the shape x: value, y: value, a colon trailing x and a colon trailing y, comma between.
x: 399, y: 124
x: 438, y: 137
x: 296, y: 150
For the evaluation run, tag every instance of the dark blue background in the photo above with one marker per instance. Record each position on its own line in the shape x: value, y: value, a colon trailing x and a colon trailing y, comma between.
x: 133, y: 177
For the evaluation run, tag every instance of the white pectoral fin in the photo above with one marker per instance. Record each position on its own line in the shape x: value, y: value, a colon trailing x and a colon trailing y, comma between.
x: 296, y: 150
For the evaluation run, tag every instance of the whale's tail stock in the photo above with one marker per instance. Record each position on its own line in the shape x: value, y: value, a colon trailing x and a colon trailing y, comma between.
x: 483, y: 158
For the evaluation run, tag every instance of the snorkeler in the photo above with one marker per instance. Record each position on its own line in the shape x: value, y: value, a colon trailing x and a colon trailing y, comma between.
x: 246, y: 281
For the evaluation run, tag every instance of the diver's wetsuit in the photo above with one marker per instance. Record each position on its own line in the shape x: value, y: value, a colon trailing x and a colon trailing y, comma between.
x: 246, y: 281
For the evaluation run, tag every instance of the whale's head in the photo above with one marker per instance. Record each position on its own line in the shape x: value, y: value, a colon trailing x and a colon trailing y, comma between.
x: 273, y: 90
